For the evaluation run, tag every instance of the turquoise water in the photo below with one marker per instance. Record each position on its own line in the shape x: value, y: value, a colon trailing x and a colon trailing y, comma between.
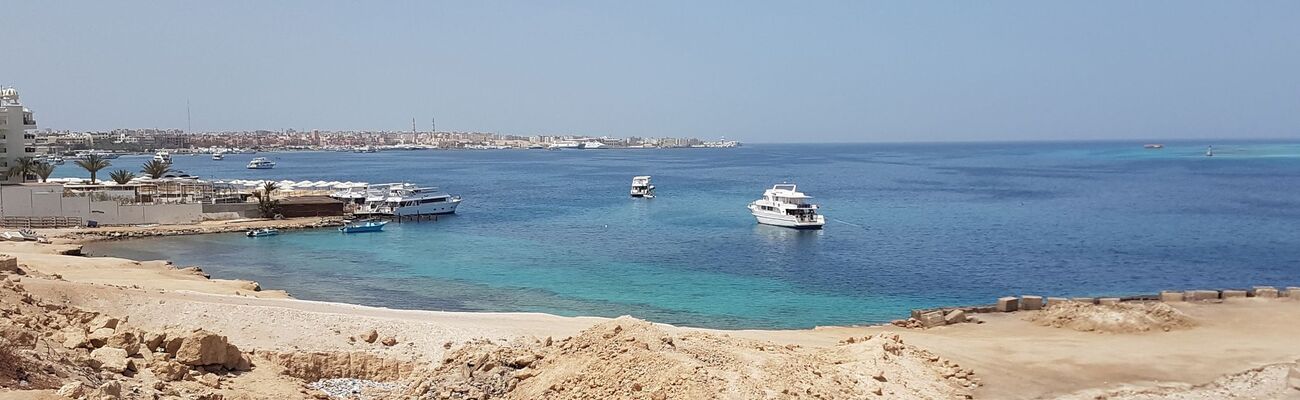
x: 909, y: 225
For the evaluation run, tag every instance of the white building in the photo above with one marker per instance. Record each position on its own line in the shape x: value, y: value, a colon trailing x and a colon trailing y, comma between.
x: 15, y: 122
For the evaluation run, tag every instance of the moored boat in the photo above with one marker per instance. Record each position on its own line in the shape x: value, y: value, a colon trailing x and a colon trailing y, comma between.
x: 363, y: 226
x: 402, y: 199
x: 783, y: 205
x: 218, y: 157
x: 262, y: 232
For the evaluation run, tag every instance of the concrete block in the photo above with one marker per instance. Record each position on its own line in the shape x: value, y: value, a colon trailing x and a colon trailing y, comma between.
x: 8, y: 263
x: 1086, y: 300
x: 916, y: 313
x: 932, y: 319
x: 955, y: 317
x: 1200, y: 295
x: 1234, y: 294
x: 1108, y: 301
x: 1056, y: 300
x: 1170, y: 296
x: 1031, y: 302
x: 1008, y: 304
x: 1292, y: 292
x: 1267, y: 292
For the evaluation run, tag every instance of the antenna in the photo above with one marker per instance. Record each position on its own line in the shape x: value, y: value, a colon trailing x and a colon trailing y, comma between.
x: 433, y: 123
x: 412, y: 125
x: 188, y: 128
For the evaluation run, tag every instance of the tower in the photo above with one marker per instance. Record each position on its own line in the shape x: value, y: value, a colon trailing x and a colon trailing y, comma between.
x: 15, y: 121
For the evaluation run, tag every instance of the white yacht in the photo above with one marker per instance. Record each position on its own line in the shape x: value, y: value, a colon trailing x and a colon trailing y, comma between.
x: 218, y: 156
x: 261, y: 163
x: 162, y: 156
x: 402, y: 199
x: 641, y: 187
x: 782, y: 205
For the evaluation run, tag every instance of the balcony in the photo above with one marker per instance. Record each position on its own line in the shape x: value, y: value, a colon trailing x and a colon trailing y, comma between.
x: 28, y: 119
x: 29, y: 149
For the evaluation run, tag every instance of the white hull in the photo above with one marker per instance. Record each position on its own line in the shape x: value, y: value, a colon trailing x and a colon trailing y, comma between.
x: 788, y: 221
x: 446, y: 207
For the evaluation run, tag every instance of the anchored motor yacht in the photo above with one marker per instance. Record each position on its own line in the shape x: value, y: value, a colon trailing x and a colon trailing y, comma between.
x: 641, y: 187
x: 401, y: 199
x: 218, y: 156
x: 162, y: 156
x: 261, y: 163
x: 783, y: 205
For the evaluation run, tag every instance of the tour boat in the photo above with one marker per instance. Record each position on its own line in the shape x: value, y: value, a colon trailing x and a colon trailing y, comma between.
x: 218, y: 156
x: 364, y: 226
x: 261, y: 163
x: 783, y: 205
x: 641, y: 187
x: 162, y: 156
x: 263, y: 232
x: 402, y: 199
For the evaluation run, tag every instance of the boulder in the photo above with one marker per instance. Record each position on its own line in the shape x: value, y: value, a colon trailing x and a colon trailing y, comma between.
x: 126, y: 339
x: 1008, y: 304
x: 169, y: 370
x: 1169, y: 296
x: 955, y: 317
x: 154, y: 340
x: 74, y: 338
x: 932, y: 319
x: 173, y: 344
x: 111, y: 359
x: 103, y: 321
x: 370, y: 336
x: 74, y: 390
x: 99, y: 337
x: 110, y: 389
x: 202, y: 348
x: 390, y: 341
x: 1031, y: 302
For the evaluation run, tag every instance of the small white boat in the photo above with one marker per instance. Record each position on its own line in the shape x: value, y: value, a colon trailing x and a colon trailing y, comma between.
x: 263, y: 232
x: 641, y: 187
x: 363, y: 226
x: 261, y: 163
x: 162, y: 156
x: 218, y: 157
x: 783, y: 205
x: 1209, y: 151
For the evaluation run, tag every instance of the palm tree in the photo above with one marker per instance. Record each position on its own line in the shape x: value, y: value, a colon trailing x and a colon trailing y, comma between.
x: 121, y: 176
x: 43, y: 170
x: 93, y: 163
x: 265, y: 204
x: 23, y: 167
x: 156, y: 169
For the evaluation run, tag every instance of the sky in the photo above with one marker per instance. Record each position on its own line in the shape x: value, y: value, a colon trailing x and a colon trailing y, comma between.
x: 757, y: 71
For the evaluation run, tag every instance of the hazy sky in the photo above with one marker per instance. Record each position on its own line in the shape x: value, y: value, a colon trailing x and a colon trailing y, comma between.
x: 754, y: 71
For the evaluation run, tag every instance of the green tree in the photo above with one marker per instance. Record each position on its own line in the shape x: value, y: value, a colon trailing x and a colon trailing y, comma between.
x: 156, y: 169
x: 265, y: 204
x: 22, y: 167
x: 121, y: 176
x: 93, y: 163
x: 43, y: 170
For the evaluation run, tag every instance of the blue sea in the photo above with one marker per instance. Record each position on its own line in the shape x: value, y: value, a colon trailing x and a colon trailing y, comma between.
x: 909, y: 226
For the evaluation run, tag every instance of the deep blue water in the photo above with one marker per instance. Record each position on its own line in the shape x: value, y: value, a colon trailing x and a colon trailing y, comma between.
x: 909, y: 225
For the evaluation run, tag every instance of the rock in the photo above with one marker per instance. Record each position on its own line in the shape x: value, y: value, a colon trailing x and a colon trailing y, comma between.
x: 210, y: 380
x: 126, y: 339
x: 1031, y: 302
x: 99, y: 337
x: 389, y: 341
x: 524, y: 374
x: 74, y: 390
x: 103, y: 321
x: 251, y: 286
x: 955, y: 317
x: 370, y: 336
x: 1008, y: 304
x: 1108, y: 301
x: 111, y: 359
x: 110, y: 389
x: 932, y: 319
x: 203, y: 348
x: 154, y: 340
x: 1169, y: 296
x: 172, y: 345
x: 523, y: 361
x: 235, y: 360
x: 74, y: 338
x: 169, y: 370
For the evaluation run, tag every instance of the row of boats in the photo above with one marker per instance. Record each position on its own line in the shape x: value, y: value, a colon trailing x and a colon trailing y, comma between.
x: 782, y: 205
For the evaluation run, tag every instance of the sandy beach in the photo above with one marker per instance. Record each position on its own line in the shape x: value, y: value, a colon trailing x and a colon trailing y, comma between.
x: 1237, y: 348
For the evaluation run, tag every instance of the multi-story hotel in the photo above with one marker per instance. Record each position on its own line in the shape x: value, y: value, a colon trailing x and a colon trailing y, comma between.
x: 15, y: 122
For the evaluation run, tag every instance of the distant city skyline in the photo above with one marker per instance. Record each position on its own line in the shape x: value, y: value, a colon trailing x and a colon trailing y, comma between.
x: 750, y: 71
